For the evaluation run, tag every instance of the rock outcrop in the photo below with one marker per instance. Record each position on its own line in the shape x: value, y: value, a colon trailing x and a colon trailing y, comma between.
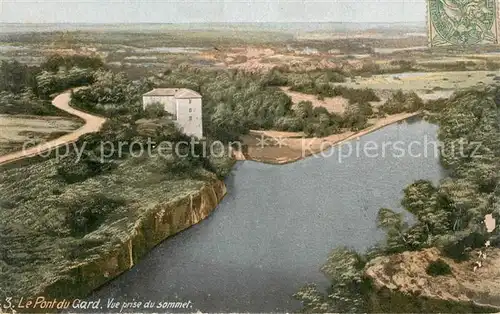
x: 406, y: 273
x: 153, y: 227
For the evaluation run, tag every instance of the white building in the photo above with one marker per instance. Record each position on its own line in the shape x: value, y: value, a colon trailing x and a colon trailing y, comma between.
x: 184, y: 104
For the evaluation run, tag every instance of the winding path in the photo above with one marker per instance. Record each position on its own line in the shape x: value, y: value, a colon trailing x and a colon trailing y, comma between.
x: 92, y: 124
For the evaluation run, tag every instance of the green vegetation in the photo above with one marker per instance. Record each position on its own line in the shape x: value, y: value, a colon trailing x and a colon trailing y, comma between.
x: 56, y: 62
x: 400, y: 102
x: 344, y: 269
x: 320, y: 83
x: 51, y: 231
x: 453, y: 211
x: 26, y: 103
x: 235, y: 102
x: 448, y: 216
x: 14, y: 77
x: 51, y: 83
x: 438, y: 268
x: 111, y: 95
x: 50, y: 226
x: 28, y: 90
x: 157, y: 38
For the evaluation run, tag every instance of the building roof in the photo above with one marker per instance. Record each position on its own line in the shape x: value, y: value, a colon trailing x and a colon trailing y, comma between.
x: 187, y: 93
x: 176, y: 92
x: 162, y: 92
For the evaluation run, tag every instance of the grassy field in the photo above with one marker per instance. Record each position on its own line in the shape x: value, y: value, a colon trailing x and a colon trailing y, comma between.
x: 18, y: 130
x: 428, y: 85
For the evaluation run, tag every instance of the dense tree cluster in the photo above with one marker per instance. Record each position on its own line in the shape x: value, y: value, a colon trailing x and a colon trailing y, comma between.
x: 453, y: 211
x: 15, y: 77
x: 49, y: 83
x: 111, y: 94
x: 235, y: 102
x: 27, y: 89
x: 25, y: 102
x: 55, y: 63
x: 320, y: 86
x: 344, y: 269
x: 400, y: 102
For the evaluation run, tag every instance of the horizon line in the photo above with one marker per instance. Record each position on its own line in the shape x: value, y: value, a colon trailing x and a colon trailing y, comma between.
x: 229, y: 22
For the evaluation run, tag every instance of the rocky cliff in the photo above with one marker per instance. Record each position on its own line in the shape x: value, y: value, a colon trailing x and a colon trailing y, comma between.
x: 153, y: 227
x: 406, y: 273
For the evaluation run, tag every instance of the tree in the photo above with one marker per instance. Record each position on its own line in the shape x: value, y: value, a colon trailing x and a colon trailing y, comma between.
x: 421, y: 199
x: 395, y: 227
x: 14, y: 77
x: 56, y: 62
x: 344, y: 269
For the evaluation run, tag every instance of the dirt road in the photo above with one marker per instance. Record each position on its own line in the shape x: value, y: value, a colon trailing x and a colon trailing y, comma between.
x: 92, y: 124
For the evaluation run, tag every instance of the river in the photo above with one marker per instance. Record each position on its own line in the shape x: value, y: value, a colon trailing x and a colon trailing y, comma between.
x: 276, y: 226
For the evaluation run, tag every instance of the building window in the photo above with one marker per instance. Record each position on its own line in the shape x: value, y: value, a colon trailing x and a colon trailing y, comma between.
x: 189, y: 101
x: 190, y: 109
x: 190, y: 118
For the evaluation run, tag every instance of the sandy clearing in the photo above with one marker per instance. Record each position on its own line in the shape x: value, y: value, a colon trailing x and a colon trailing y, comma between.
x: 278, y: 134
x: 287, y: 147
x: 92, y: 124
x: 332, y: 104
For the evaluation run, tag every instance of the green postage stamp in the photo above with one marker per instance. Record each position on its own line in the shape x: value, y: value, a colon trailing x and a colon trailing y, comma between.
x: 462, y: 22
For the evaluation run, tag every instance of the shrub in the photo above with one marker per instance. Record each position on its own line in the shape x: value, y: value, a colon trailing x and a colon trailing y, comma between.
x: 155, y: 110
x: 71, y: 169
x: 356, y: 95
x: 400, y: 102
x: 292, y: 124
x: 458, y: 249
x: 436, y: 105
x: 438, y: 268
x: 86, y: 215
x: 335, y: 76
x: 365, y: 109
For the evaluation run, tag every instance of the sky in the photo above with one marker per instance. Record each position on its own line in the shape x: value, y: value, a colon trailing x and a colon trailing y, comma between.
x: 197, y: 11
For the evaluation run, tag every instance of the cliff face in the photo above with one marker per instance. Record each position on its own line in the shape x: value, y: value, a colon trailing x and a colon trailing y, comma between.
x: 406, y: 273
x: 152, y: 228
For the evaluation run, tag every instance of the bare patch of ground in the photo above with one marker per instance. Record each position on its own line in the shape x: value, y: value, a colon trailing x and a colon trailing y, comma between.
x: 332, y: 104
x: 406, y: 273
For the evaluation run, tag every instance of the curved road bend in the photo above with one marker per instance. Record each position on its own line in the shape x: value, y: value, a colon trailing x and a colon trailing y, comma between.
x: 92, y: 124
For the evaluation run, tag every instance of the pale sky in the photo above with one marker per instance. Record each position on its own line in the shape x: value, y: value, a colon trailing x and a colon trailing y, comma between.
x: 196, y: 11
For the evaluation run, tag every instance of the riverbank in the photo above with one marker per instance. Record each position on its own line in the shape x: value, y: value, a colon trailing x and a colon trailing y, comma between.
x: 268, y: 236
x: 280, y: 148
x: 151, y: 228
x: 139, y: 208
x: 82, y: 235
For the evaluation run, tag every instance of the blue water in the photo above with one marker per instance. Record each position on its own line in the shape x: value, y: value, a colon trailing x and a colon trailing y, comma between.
x: 276, y: 226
